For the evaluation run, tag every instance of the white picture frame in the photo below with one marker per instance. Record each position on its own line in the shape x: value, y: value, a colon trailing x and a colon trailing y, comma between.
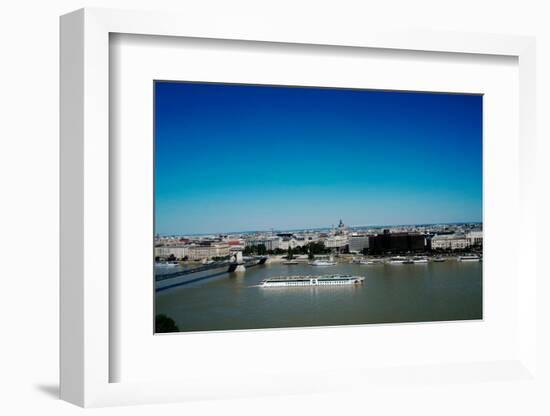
x: 85, y: 200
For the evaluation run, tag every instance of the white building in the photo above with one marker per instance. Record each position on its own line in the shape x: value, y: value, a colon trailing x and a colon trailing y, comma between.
x: 300, y: 241
x: 199, y: 252
x: 450, y: 242
x: 475, y: 237
x: 337, y: 241
x: 287, y: 243
x: 178, y: 252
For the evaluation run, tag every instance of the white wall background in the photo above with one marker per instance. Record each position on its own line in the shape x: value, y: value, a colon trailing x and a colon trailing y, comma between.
x: 29, y: 205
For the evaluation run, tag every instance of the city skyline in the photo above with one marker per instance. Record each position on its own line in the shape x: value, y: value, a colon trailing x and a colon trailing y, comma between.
x: 322, y: 228
x: 242, y: 157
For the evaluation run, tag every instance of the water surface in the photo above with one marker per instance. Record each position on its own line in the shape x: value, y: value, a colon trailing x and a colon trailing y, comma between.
x: 391, y: 293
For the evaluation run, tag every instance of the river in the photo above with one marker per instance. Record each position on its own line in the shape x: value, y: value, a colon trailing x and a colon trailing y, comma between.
x: 450, y: 290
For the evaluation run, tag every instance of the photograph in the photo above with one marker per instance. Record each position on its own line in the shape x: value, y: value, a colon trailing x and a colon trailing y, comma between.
x: 282, y: 206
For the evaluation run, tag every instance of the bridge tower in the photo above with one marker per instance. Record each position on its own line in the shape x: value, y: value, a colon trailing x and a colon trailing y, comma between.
x: 238, y: 262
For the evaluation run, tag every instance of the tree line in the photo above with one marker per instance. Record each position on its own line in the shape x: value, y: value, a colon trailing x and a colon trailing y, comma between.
x: 311, y: 249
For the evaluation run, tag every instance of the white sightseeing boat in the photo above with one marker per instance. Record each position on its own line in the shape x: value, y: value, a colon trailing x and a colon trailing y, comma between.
x: 368, y: 262
x: 419, y: 260
x: 469, y: 257
x: 398, y: 260
x: 166, y: 264
x: 325, y: 280
x: 324, y: 262
x: 364, y: 261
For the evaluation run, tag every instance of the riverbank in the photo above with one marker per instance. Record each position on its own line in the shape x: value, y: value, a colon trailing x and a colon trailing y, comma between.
x: 351, y: 258
x: 339, y: 259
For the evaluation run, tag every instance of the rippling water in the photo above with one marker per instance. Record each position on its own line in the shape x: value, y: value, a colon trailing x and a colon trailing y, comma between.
x: 391, y: 293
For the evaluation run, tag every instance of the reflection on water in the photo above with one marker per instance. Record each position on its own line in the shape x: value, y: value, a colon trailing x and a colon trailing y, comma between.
x: 390, y: 293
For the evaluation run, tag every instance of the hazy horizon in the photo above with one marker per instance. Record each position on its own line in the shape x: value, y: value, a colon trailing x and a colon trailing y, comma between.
x: 282, y: 230
x: 243, y: 157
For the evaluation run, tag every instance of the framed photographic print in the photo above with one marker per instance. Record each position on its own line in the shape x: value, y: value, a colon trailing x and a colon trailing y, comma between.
x: 305, y: 204
x: 244, y: 238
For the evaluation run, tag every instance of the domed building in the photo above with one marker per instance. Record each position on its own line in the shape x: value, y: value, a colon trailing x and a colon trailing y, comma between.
x: 342, y: 228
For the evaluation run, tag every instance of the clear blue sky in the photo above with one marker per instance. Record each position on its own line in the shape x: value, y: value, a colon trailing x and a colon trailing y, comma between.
x: 243, y: 157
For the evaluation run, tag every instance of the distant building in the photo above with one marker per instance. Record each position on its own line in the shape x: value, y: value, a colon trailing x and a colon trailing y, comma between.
x: 270, y: 243
x: 288, y: 242
x: 475, y: 237
x: 337, y: 241
x: 300, y: 241
x: 396, y: 242
x: 286, y: 235
x: 311, y: 238
x: 357, y: 243
x: 450, y: 242
x: 207, y: 251
x: 236, y: 245
x: 342, y: 228
x: 178, y: 252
